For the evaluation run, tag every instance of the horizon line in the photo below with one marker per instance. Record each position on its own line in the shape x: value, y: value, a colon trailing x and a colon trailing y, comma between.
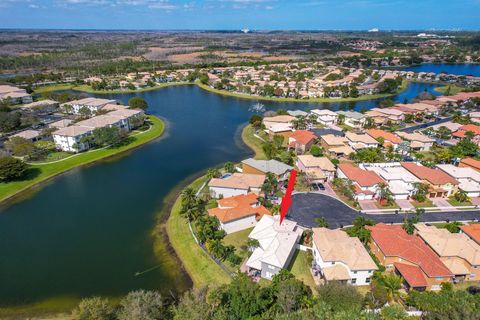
x: 241, y: 30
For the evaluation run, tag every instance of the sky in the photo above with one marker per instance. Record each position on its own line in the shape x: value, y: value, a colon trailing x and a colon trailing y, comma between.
x: 238, y: 14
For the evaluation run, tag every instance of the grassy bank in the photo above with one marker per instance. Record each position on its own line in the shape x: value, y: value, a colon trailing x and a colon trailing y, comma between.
x: 255, y: 97
x: 453, y: 89
x: 253, y: 142
x: 54, y: 87
x: 51, y: 309
x: 200, y: 267
x: 88, y: 89
x: 40, y: 173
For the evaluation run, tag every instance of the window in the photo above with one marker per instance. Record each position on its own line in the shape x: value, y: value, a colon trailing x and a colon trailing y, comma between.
x: 354, y: 272
x: 367, y: 280
x: 354, y: 281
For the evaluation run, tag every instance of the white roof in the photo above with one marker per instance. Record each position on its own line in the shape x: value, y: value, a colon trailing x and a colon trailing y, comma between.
x: 276, y: 242
x: 268, y: 166
x: 324, y: 112
x: 392, y: 172
x: 280, y: 127
x: 469, y: 178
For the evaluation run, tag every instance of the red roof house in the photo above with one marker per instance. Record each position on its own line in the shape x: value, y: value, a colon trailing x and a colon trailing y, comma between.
x: 409, y: 256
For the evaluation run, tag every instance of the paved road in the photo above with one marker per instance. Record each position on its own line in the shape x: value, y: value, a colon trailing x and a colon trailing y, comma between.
x: 308, y: 206
x: 425, y: 125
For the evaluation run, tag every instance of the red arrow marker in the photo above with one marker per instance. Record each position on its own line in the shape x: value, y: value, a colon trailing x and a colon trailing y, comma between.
x: 287, y: 199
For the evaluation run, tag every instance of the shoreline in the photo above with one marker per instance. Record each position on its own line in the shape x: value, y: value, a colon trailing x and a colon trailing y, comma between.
x: 87, y: 89
x: 401, y: 89
x: 17, y: 189
x: 200, y: 268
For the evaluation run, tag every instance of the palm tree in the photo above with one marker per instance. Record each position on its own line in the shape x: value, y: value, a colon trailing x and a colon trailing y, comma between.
x: 216, y: 248
x: 213, y: 173
x: 364, y: 235
x: 392, y: 283
x: 360, y: 222
x: 385, y: 193
x: 229, y: 167
x: 453, y: 227
x: 188, y: 196
x: 321, y: 222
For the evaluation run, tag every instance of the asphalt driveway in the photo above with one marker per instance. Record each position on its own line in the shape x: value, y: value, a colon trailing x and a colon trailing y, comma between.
x: 308, y: 206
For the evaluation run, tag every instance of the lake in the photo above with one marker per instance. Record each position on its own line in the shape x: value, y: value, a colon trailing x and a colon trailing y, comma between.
x: 89, y: 231
x: 459, y: 69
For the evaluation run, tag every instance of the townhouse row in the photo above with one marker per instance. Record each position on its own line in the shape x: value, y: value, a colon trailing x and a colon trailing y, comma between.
x: 71, y: 136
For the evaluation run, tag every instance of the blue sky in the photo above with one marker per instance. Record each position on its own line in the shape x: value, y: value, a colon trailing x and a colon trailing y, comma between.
x: 237, y: 14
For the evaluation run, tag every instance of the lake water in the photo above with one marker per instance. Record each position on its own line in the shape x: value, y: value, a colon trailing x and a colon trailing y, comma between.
x: 89, y: 231
x: 460, y: 69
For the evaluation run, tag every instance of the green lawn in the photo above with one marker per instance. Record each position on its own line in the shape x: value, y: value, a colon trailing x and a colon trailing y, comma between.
x: 456, y: 203
x: 41, y: 172
x: 54, y: 156
x: 394, y: 205
x: 300, y: 268
x: 453, y: 89
x: 200, y: 267
x: 238, y: 239
x: 427, y: 203
x: 54, y: 87
x: 253, y: 142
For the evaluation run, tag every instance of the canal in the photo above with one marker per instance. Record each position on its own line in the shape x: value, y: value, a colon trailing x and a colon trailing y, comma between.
x: 88, y: 232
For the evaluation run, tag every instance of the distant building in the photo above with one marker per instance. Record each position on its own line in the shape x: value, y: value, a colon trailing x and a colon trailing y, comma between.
x: 14, y: 95
x: 91, y: 104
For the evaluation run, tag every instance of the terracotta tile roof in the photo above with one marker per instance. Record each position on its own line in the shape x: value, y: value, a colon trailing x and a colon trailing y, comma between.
x: 469, y: 127
x: 473, y: 231
x: 434, y: 176
x: 302, y: 136
x: 234, y: 208
x: 412, y: 274
x: 388, y: 136
x: 239, y: 181
x: 393, y: 241
x: 471, y: 163
x: 363, y: 177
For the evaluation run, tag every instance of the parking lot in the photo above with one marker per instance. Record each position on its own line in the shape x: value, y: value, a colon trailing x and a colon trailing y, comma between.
x: 308, y: 206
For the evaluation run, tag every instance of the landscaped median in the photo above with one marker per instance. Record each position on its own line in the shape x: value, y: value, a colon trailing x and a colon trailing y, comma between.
x: 42, y: 172
x: 200, y: 267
